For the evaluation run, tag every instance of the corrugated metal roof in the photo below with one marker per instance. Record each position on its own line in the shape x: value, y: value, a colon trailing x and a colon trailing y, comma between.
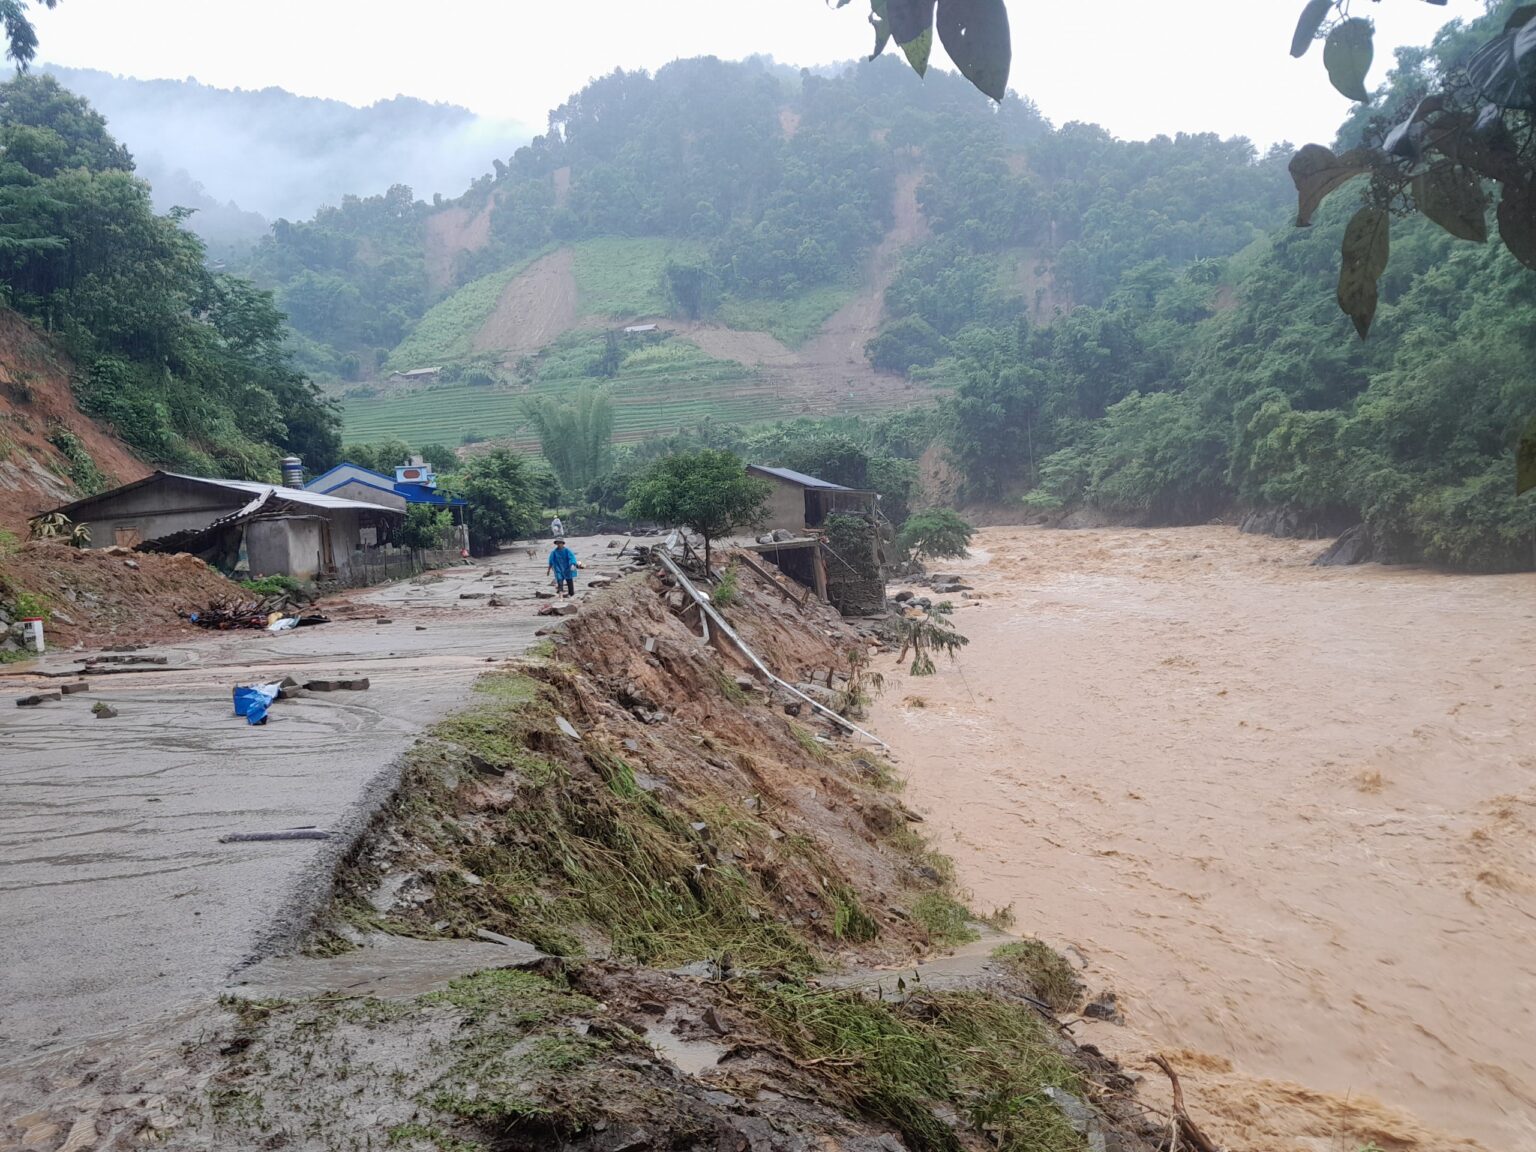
x: 799, y: 478
x: 296, y: 495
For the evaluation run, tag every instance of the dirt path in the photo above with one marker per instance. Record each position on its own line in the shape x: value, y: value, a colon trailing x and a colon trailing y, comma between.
x: 535, y: 309
x: 1287, y: 813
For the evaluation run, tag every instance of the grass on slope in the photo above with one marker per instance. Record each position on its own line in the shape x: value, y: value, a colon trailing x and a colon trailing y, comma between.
x: 447, y: 331
x: 793, y: 321
x: 621, y: 276
x: 660, y: 386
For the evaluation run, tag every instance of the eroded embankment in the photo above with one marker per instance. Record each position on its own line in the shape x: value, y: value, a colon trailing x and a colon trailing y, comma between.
x: 697, y: 867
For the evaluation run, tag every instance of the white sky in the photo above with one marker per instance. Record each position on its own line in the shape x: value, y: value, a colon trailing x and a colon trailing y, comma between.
x: 1139, y: 67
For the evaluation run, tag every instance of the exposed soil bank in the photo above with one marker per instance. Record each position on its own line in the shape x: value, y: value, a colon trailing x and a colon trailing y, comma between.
x: 1286, y: 812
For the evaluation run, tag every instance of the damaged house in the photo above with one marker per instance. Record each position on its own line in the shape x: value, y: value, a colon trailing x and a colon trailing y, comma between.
x: 825, y: 537
x: 277, y: 530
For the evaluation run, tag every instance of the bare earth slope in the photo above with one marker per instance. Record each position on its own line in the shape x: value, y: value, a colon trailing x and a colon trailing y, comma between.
x: 535, y: 309
x: 35, y: 403
x: 1288, y: 813
x: 829, y: 374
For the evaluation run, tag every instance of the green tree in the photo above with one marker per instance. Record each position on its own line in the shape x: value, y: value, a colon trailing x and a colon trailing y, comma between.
x: 424, y: 527
x: 709, y: 492
x: 937, y: 533
x: 442, y: 458
x: 20, y: 36
x: 502, y: 504
x: 576, y: 436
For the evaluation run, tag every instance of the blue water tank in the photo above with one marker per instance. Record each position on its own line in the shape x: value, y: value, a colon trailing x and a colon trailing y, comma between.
x: 293, y: 472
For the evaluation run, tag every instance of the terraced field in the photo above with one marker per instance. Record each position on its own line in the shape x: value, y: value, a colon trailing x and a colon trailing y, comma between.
x: 663, y: 384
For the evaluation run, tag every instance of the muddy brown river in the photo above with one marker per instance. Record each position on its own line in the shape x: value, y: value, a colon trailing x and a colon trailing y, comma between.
x: 1287, y: 814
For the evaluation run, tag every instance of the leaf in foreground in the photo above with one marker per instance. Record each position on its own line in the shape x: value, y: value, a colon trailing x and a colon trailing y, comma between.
x: 1347, y: 55
x: 1525, y: 460
x: 1367, y: 245
x: 1517, y: 222
x: 1306, y: 28
x: 1316, y: 171
x: 975, y: 34
x: 1454, y: 199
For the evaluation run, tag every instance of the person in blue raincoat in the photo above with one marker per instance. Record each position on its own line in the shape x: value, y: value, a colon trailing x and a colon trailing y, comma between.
x: 563, y: 566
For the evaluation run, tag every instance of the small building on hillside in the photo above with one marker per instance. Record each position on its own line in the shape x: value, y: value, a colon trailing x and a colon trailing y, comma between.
x: 276, y: 530
x: 798, y: 501
x: 825, y: 537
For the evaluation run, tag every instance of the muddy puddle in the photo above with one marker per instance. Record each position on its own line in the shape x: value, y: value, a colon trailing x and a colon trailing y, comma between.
x: 1287, y: 813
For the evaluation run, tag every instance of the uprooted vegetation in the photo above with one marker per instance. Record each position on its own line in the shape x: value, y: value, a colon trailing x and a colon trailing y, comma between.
x: 705, y: 873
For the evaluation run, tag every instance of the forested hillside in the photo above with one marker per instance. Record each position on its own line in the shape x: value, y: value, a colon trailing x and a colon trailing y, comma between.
x: 187, y: 365
x: 1134, y: 327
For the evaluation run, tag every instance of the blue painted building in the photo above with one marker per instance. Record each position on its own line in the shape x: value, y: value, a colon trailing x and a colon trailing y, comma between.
x: 413, y: 483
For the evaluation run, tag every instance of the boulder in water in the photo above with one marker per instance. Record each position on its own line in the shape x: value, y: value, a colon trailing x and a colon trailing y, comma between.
x: 1355, y: 546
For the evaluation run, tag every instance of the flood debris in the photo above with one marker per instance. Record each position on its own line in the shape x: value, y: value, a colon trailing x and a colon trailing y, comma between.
x: 38, y: 698
x: 103, y: 711
x: 75, y: 688
x: 284, y: 834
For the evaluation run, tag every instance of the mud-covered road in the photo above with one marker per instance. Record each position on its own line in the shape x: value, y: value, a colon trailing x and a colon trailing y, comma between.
x: 1287, y: 813
x: 118, y: 901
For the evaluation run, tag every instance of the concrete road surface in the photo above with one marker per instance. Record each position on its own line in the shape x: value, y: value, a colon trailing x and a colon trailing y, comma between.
x: 118, y: 903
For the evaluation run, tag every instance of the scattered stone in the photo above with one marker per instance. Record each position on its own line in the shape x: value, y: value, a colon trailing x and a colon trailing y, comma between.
x: 650, y: 645
x: 819, y: 693
x: 39, y: 698
x: 1081, y: 1116
x: 63, y: 618
x: 103, y: 711
x: 599, y: 582
x: 1105, y: 1006
x: 130, y: 563
x: 566, y: 609
x: 72, y: 689
x: 676, y: 600
x: 1355, y: 546
x: 652, y: 1008
x: 903, y: 596
x: 793, y: 708
x: 421, y: 627
x: 472, y: 595
x: 820, y: 675
x: 337, y: 685
x: 495, y: 602
x: 567, y: 727
x: 383, y: 620
x: 746, y: 683
x: 630, y: 745
x: 527, y: 954
x: 542, y: 594
x: 712, y: 1018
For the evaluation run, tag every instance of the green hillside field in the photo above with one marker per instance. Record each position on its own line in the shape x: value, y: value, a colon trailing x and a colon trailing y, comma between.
x: 660, y: 385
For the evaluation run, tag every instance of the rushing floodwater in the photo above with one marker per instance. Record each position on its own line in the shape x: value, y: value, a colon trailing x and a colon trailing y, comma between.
x: 1287, y: 813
